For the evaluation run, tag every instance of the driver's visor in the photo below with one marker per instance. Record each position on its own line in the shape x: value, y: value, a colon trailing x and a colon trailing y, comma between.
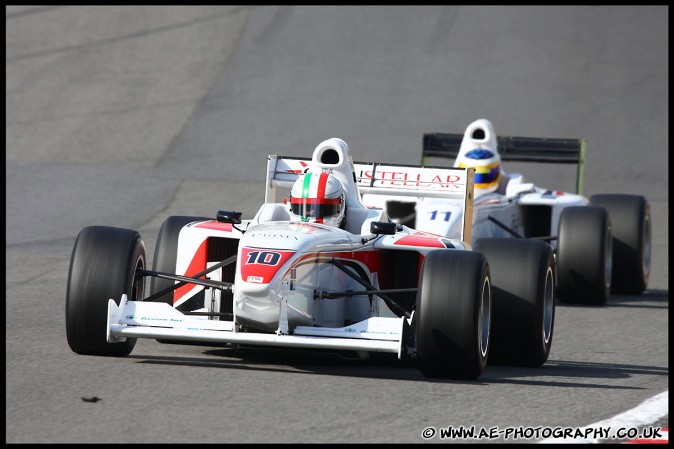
x: 314, y: 207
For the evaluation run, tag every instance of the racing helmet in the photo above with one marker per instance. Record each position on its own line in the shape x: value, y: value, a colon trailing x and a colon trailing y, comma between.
x: 318, y: 197
x: 487, y: 166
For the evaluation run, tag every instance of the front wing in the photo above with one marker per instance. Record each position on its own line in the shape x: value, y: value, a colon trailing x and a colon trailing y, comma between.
x: 138, y: 319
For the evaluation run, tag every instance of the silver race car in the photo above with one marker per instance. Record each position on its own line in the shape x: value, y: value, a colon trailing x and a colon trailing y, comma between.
x: 319, y: 269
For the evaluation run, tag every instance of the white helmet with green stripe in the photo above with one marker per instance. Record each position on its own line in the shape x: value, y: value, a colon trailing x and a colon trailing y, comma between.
x: 318, y: 197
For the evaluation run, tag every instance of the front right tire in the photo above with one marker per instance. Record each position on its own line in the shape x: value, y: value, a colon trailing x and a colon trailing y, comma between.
x: 103, y: 266
x: 523, y: 289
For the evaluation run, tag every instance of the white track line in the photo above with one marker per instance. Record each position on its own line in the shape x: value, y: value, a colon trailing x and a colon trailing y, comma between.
x: 645, y: 413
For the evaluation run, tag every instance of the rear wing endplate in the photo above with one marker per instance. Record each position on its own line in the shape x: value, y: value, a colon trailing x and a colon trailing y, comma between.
x: 523, y: 149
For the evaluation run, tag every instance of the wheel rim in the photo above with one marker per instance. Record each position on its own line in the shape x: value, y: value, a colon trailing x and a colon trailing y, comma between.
x: 608, y: 266
x: 485, y: 317
x: 548, y: 305
x: 647, y: 247
x: 138, y: 286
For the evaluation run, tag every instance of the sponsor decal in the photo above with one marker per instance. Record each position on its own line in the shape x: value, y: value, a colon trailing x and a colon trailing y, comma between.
x: 255, y: 279
x: 551, y: 194
x: 153, y: 318
x: 268, y: 235
x: 411, y: 177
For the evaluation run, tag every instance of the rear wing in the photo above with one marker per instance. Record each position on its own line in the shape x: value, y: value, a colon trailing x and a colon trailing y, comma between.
x: 523, y: 149
x: 392, y: 180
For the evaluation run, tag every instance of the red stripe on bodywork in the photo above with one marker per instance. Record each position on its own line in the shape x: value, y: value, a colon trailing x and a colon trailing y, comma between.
x: 198, y: 264
x: 418, y: 240
x: 216, y: 225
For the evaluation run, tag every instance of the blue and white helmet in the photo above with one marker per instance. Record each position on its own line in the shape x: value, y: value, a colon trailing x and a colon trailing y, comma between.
x: 487, y: 166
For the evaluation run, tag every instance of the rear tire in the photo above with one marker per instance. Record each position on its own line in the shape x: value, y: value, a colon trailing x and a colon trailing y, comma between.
x: 584, y: 255
x: 523, y: 290
x: 102, y: 266
x: 631, y: 220
x: 453, y: 315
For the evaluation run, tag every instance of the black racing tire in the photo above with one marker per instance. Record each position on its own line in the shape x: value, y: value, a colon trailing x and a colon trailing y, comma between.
x: 523, y: 290
x: 103, y: 266
x: 631, y: 220
x: 584, y: 255
x: 453, y: 315
x: 166, y: 252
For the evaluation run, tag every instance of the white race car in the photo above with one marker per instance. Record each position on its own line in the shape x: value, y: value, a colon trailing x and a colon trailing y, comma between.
x: 290, y: 278
x: 601, y: 244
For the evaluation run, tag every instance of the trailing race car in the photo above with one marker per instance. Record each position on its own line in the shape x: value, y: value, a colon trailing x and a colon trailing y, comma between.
x: 601, y: 244
x: 321, y: 270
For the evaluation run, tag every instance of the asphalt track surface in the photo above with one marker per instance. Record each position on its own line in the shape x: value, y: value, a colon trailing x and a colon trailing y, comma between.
x: 124, y: 115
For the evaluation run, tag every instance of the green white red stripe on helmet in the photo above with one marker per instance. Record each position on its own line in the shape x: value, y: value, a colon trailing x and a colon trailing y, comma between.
x: 317, y: 197
x: 320, y: 187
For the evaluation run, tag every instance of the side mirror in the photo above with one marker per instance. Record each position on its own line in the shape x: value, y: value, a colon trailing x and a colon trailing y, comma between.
x: 383, y: 227
x: 228, y: 216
